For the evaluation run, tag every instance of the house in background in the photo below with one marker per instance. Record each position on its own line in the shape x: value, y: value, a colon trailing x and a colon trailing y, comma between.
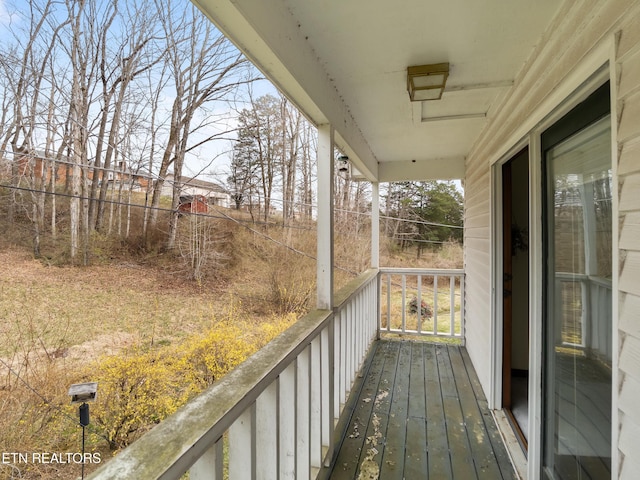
x: 536, y: 107
x: 193, y: 204
x: 213, y: 192
x: 37, y: 165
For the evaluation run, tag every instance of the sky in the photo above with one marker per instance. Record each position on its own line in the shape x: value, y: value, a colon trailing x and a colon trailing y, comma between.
x: 4, y: 16
x: 217, y: 149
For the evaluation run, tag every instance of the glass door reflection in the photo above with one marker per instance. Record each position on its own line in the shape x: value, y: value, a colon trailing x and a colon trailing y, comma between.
x: 578, y: 323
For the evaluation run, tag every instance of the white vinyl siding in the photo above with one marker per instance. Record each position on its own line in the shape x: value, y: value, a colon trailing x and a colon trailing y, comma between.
x: 628, y: 68
x: 477, y: 247
x: 558, y: 66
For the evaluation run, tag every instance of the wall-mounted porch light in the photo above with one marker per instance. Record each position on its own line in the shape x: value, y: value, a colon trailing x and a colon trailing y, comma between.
x: 343, y: 163
x: 426, y: 82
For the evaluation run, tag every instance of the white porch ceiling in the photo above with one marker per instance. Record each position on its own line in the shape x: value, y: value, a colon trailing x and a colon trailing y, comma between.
x: 344, y: 62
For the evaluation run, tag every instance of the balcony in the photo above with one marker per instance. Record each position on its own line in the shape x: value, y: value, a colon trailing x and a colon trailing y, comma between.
x: 343, y: 393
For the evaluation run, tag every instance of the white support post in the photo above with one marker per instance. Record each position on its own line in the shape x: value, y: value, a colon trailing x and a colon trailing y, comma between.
x: 325, y: 218
x: 375, y: 225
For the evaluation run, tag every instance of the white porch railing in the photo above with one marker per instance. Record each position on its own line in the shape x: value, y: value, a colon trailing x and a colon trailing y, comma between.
x: 276, y: 412
x: 583, y: 302
x: 438, y: 293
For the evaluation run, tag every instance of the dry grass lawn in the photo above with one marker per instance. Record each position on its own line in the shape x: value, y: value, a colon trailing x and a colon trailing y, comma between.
x: 60, y: 309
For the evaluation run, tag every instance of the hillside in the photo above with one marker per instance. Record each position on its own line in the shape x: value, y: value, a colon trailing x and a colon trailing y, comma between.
x: 145, y: 329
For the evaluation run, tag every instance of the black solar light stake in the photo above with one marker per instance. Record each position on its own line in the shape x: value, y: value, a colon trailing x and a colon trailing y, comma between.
x: 83, y: 393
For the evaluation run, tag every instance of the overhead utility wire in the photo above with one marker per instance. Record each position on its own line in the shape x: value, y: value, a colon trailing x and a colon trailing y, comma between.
x: 155, y: 176
x: 139, y: 205
x: 221, y: 216
x: 295, y: 250
x: 355, y: 212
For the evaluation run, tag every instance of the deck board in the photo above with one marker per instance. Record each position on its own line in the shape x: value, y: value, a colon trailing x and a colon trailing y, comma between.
x: 396, y: 430
x: 348, y: 458
x: 457, y: 434
x: 421, y: 414
x: 499, y: 450
x: 439, y: 460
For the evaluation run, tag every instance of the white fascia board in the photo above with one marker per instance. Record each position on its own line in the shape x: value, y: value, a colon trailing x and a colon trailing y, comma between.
x: 440, y: 169
x: 269, y: 36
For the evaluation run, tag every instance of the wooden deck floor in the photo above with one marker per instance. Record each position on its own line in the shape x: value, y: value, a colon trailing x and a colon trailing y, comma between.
x: 420, y: 414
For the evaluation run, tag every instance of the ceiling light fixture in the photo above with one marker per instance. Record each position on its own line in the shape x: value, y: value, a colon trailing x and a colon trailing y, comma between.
x: 426, y: 82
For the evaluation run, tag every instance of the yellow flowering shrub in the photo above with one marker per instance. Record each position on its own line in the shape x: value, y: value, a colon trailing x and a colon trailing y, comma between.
x: 139, y: 388
x: 275, y: 326
x: 207, y: 358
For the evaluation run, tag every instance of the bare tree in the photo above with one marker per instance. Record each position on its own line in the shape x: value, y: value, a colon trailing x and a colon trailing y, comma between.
x: 79, y: 124
x: 204, y: 68
x: 308, y: 147
x: 135, y: 55
x: 73, y: 80
x: 292, y: 124
x: 25, y: 69
x: 156, y: 82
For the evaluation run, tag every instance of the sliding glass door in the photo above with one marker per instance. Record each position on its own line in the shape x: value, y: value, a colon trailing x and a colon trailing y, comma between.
x: 578, y: 324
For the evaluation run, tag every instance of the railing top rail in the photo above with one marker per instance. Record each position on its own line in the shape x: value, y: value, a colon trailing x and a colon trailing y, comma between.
x: 422, y: 271
x: 605, y: 282
x: 570, y: 276
x: 354, y: 287
x: 174, y: 445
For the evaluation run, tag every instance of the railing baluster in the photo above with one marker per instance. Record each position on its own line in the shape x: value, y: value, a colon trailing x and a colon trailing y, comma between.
x: 404, y: 303
x: 267, y: 433
x: 316, y: 405
x: 388, y: 302
x: 419, y: 304
x: 242, y: 447
x: 210, y: 465
x: 462, y: 315
x: 344, y: 354
x: 287, y: 423
x: 359, y: 333
x: 377, y: 292
x: 325, y: 390
x: 354, y: 348
x: 303, y: 413
x: 435, y: 304
x: 337, y: 340
x: 374, y: 291
x: 452, y: 305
